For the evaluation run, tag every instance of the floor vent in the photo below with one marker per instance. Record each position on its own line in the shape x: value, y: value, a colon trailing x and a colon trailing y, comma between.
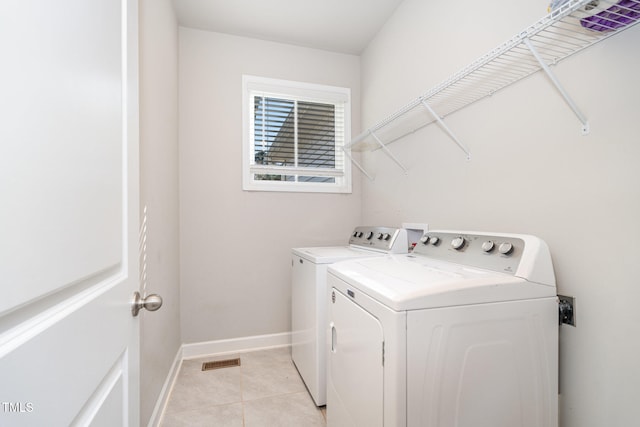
x: 218, y: 364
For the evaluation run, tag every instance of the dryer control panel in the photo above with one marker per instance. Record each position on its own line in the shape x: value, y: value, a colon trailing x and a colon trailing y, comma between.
x: 522, y: 255
x: 383, y: 239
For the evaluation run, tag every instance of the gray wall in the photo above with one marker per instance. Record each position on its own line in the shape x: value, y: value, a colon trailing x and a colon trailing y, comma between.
x: 235, y: 245
x: 160, y: 331
x: 531, y: 172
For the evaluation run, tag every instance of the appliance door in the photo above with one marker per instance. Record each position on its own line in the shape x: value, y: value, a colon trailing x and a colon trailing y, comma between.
x: 355, y: 373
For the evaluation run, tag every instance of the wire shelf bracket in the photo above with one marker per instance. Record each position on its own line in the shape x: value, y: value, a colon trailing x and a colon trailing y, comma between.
x: 570, y: 28
x: 381, y: 146
x: 559, y: 87
x: 356, y: 163
x: 446, y: 129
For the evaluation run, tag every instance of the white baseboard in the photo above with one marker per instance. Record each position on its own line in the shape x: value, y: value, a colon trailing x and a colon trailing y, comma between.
x: 163, y: 398
x: 235, y: 345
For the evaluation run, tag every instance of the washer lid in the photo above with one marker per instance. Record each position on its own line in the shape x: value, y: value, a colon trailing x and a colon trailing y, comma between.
x: 331, y: 254
x: 410, y: 282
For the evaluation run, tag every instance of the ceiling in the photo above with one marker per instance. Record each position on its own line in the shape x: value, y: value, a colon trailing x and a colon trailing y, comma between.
x: 344, y: 26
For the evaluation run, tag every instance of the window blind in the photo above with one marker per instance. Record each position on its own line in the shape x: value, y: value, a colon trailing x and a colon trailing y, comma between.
x: 297, y: 140
x: 294, y: 136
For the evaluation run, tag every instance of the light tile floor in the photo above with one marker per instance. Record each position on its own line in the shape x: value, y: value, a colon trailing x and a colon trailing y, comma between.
x: 264, y: 391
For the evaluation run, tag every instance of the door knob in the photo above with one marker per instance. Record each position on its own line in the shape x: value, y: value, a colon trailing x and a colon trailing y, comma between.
x: 150, y: 302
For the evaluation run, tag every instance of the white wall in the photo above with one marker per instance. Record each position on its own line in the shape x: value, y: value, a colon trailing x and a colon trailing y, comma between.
x: 235, y: 245
x: 531, y: 172
x: 160, y: 331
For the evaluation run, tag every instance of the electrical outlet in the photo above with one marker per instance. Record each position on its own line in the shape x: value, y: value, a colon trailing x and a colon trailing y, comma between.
x: 567, y: 310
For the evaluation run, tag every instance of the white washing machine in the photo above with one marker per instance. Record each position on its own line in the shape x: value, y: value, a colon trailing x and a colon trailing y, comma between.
x: 463, y: 332
x: 309, y: 295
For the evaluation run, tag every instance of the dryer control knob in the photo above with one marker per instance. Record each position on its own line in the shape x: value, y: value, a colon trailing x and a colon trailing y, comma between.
x: 434, y: 240
x: 386, y: 236
x: 369, y: 235
x: 379, y: 236
x: 505, y: 248
x: 424, y: 240
x: 458, y: 243
x: 488, y: 246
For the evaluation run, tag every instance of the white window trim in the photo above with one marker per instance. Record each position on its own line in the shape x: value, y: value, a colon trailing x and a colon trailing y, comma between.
x: 293, y: 90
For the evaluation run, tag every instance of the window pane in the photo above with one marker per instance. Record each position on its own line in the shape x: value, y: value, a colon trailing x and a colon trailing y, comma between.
x: 316, y: 135
x: 328, y: 179
x: 271, y: 177
x: 274, y: 131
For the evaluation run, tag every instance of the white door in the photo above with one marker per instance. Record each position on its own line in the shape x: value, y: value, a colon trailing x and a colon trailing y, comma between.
x: 68, y: 212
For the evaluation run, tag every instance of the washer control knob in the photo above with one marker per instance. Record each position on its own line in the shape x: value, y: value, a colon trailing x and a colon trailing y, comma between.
x: 505, y: 248
x: 355, y: 234
x: 434, y: 240
x: 359, y: 234
x: 386, y: 236
x: 458, y: 243
x: 379, y: 236
x: 369, y: 235
x: 424, y: 240
x: 488, y: 246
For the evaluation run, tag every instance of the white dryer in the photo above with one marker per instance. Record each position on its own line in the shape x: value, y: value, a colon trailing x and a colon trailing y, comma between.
x: 463, y: 332
x: 309, y: 296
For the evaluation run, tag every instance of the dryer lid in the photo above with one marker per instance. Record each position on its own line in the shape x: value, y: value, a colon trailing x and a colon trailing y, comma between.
x: 410, y: 282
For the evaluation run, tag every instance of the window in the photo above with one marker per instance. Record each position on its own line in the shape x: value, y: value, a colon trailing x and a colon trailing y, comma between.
x: 293, y: 136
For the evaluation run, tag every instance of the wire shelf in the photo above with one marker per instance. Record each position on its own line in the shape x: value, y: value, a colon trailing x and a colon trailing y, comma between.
x: 570, y: 28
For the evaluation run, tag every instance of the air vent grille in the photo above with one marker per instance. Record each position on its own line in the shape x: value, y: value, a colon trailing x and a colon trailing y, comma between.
x: 218, y: 364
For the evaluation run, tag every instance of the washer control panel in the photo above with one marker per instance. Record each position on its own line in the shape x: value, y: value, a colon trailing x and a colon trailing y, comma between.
x: 497, y: 252
x: 384, y: 239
